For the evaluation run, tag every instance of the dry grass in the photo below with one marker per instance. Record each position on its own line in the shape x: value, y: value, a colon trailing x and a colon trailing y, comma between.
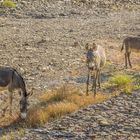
x: 61, y: 108
x: 37, y: 115
x: 57, y: 103
x: 83, y: 100
x: 7, y: 120
x: 54, y: 95
x: 54, y: 104
x: 13, y: 135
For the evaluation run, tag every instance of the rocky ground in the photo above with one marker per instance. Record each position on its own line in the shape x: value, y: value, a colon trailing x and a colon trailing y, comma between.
x: 45, y: 42
x: 118, y: 118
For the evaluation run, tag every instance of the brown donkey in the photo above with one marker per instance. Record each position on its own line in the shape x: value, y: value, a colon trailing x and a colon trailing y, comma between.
x: 12, y: 80
x: 131, y: 44
x: 96, y: 59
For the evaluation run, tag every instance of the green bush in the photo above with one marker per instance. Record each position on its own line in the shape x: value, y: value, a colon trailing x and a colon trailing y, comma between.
x: 123, y: 82
x: 9, y: 4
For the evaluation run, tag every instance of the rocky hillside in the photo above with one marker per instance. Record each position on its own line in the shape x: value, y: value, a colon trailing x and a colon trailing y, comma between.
x: 66, y: 8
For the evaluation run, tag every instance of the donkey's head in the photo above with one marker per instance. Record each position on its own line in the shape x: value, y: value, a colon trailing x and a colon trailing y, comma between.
x: 91, y: 55
x: 24, y: 105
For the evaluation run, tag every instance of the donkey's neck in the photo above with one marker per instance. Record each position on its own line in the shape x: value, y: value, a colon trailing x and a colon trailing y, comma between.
x: 24, y: 92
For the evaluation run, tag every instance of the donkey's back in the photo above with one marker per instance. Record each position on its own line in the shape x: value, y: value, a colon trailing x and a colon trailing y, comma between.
x: 6, y: 75
x: 131, y: 44
x: 101, y: 55
x: 11, y: 79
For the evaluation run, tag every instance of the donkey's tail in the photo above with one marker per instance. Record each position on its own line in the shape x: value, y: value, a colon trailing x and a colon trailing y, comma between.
x: 122, y: 46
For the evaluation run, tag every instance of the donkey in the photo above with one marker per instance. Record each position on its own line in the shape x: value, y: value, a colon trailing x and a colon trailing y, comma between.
x: 12, y: 80
x: 96, y: 59
x: 131, y: 44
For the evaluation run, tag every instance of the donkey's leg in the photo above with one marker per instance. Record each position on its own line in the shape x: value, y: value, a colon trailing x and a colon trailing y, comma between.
x: 129, y: 60
x: 96, y: 77
x: 126, y: 54
x: 94, y: 83
x: 4, y: 109
x: 87, y: 83
x: 99, y: 78
x: 11, y: 101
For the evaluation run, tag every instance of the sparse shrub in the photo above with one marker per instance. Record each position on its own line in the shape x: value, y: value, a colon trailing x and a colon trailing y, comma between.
x: 136, y: 87
x: 9, y: 4
x: 123, y: 82
x: 37, y: 116
x: 55, y: 96
x: 61, y: 108
x: 40, y: 116
x: 59, y: 102
x: 83, y: 100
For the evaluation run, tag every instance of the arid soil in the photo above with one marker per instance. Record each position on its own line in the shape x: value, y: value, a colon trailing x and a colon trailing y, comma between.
x: 45, y: 43
x: 118, y: 118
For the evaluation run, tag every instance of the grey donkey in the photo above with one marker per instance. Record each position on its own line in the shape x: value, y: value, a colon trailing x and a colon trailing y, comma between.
x: 12, y: 80
x: 131, y: 44
x: 96, y: 59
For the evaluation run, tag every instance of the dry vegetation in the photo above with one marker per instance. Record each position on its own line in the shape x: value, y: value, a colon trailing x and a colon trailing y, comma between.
x: 7, y: 120
x: 122, y: 82
x: 62, y: 101
x: 8, y: 4
x: 54, y: 104
x: 67, y: 99
x: 13, y: 135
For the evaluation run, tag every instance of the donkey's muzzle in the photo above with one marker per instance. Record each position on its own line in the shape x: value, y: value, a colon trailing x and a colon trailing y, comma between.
x: 23, y: 115
x: 91, y: 66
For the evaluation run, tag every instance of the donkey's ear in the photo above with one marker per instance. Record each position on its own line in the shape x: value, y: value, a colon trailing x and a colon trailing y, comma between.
x: 31, y: 92
x: 87, y: 46
x: 94, y: 46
